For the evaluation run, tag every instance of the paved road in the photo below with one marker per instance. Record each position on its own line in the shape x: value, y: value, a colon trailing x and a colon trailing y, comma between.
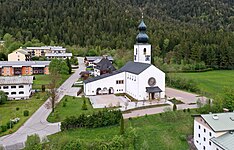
x: 37, y: 123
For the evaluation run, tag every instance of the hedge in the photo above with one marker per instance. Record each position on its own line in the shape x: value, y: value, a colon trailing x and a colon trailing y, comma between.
x: 97, y: 119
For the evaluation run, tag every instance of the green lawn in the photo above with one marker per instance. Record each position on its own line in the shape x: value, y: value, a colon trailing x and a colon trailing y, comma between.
x: 45, y: 80
x: 8, y: 111
x: 72, y: 108
x: 211, y: 82
x: 166, y: 132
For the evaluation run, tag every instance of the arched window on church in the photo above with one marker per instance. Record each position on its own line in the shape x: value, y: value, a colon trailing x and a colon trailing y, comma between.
x: 144, y: 51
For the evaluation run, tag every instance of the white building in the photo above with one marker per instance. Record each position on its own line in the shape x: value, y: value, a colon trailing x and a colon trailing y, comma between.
x: 214, y: 131
x: 41, y: 51
x: 50, y: 56
x: 139, y: 79
x: 17, y: 87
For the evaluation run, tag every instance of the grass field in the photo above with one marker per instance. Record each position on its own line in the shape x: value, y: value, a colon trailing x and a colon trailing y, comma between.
x: 164, y: 132
x: 8, y: 111
x: 45, y: 80
x: 211, y: 82
x: 72, y: 108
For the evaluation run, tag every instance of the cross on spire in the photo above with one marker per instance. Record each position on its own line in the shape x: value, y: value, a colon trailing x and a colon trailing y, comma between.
x: 142, y: 15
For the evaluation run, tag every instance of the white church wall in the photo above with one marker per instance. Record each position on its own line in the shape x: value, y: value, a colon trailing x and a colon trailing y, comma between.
x: 152, y: 71
x: 108, y: 82
x: 132, y: 85
x: 140, y: 55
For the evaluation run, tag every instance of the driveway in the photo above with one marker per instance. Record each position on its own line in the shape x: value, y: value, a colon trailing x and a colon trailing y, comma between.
x: 185, y: 97
x: 37, y: 123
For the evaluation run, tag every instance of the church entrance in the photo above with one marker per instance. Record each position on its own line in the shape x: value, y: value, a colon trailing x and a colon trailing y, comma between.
x: 152, y: 96
x: 111, y: 90
x: 154, y: 92
x: 98, y: 91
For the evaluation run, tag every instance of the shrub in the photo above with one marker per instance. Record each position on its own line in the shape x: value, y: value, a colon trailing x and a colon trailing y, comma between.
x: 26, y: 113
x: 84, y: 106
x: 17, y: 108
x: 33, y: 142
x: 174, y: 107
x: 3, y: 97
x: 10, y: 125
x: 43, y: 88
x: 64, y: 104
x: 188, y: 110
x: 3, y: 128
x: 65, y: 99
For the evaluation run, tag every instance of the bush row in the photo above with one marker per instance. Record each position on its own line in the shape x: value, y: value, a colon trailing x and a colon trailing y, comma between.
x: 97, y: 119
x: 182, y: 83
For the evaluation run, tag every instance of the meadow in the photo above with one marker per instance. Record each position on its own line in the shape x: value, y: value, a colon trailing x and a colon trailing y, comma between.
x: 167, y: 131
x: 211, y: 83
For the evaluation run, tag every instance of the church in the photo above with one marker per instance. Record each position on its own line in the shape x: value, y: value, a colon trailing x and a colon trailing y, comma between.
x: 139, y: 78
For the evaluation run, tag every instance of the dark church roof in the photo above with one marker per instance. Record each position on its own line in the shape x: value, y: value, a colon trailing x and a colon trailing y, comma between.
x: 131, y: 67
x: 135, y: 67
x: 142, y: 37
x: 105, y: 64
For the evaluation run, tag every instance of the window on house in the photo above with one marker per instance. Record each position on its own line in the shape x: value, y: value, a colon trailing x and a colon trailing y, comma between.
x: 13, y: 93
x: 147, y: 58
x: 204, y: 139
x: 204, y: 147
x: 21, y: 92
x: 210, y: 134
x: 209, y: 142
x: 136, y: 51
x: 134, y: 57
x: 13, y: 87
x: 199, y: 127
x: 0, y: 87
x: 6, y: 93
x: 21, y: 86
x: 205, y: 130
x: 144, y: 51
x: 199, y: 135
x: 5, y: 87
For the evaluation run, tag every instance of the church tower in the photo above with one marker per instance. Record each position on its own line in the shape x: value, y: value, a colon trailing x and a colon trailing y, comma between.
x: 142, y: 49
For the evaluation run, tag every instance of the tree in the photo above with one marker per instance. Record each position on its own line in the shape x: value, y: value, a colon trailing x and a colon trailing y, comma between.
x: 69, y: 65
x: 121, y: 126
x: 54, y: 77
x: 58, y: 67
x: 3, y: 97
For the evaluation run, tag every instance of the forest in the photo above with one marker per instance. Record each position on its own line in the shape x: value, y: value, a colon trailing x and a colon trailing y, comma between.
x: 182, y: 32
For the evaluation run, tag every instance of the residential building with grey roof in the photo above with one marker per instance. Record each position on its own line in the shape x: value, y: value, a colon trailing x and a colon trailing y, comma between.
x: 214, y: 131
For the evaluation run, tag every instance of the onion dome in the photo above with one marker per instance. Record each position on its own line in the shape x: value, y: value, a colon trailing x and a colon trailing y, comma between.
x: 142, y: 37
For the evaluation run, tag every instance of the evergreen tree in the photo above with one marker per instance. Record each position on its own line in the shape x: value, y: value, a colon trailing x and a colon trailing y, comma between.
x: 69, y: 65
x: 122, y: 126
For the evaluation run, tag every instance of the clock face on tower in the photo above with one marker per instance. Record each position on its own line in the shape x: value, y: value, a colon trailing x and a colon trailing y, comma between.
x: 152, y: 81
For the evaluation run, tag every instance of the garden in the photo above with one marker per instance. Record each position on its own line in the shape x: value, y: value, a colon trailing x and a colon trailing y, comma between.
x: 69, y: 106
x: 18, y: 111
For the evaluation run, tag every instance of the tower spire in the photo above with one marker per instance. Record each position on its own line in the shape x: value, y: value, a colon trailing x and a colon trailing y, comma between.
x: 142, y: 15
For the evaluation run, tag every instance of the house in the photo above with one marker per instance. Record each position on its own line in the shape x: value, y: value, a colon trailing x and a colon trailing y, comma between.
x: 43, y: 50
x: 19, y: 55
x: 17, y: 87
x: 214, y: 131
x: 139, y: 78
x: 50, y: 56
x: 103, y: 66
x: 11, y: 68
x: 92, y: 60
